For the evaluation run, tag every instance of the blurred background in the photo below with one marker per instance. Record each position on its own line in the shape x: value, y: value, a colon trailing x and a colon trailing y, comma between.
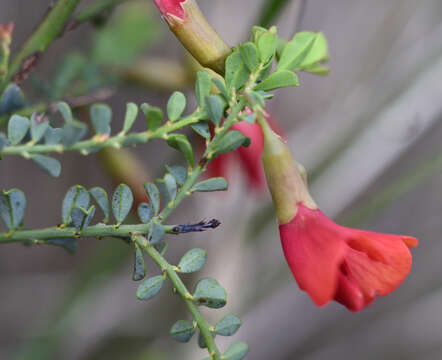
x: 368, y: 133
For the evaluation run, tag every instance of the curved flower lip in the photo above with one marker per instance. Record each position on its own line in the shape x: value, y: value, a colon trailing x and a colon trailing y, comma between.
x: 350, y: 266
x: 171, y: 7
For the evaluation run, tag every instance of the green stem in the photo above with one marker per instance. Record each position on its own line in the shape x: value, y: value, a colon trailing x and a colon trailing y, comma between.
x: 178, y: 284
x: 117, y: 141
x: 47, y: 32
x: 39, y: 236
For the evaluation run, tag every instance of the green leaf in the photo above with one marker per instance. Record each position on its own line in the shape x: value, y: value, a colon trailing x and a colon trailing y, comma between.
x: 221, y: 85
x: 65, y: 111
x: 202, y: 129
x: 267, y: 44
x: 203, y: 85
x: 150, y: 287
x: 145, y: 212
x: 171, y: 186
x: 12, y: 207
x: 39, y: 126
x: 122, y: 202
x: 180, y: 143
x: 48, y: 164
x: 318, y: 53
x: 176, y: 106
x: 73, y: 131
x: 179, y: 173
x: 156, y: 232
x: 101, y: 116
x: 194, y: 260
x: 250, y: 56
x: 139, y: 265
x: 11, y: 100
x: 215, y: 106
x: 18, y: 127
x: 69, y: 244
x: 305, y: 49
x: 182, y: 331
x: 130, y: 117
x: 53, y: 136
x: 154, y: 196
x: 277, y: 80
x: 228, y: 325
x: 208, y: 292
x: 213, y: 184
x: 154, y: 116
x: 77, y: 196
x: 101, y: 198
x: 237, y: 351
x: 81, y: 218
x: 230, y: 142
x: 237, y: 72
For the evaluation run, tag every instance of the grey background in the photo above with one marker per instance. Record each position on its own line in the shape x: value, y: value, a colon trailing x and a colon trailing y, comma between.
x: 385, y: 80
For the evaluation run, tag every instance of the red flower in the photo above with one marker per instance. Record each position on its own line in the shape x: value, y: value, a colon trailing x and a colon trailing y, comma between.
x: 332, y: 262
x: 329, y: 261
x: 171, y: 7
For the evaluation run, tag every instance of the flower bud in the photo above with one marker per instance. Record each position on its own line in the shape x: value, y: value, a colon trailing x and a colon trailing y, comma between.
x: 285, y: 182
x: 187, y: 22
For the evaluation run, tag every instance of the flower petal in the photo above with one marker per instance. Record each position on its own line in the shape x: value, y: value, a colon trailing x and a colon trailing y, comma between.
x: 378, y: 263
x: 314, y: 250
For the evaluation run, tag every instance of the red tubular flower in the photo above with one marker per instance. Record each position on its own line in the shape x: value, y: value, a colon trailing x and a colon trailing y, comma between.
x: 329, y: 261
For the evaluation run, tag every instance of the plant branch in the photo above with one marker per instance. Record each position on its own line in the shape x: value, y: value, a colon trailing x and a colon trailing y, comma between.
x: 117, y: 141
x: 181, y: 289
x: 46, y: 33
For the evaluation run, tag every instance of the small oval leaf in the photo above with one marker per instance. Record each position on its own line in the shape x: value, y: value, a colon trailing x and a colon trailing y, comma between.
x: 139, y: 265
x: 154, y: 196
x: 176, y: 105
x: 18, y: 127
x: 150, y: 287
x: 130, y: 117
x: 210, y: 293
x: 213, y: 184
x: 182, y: 331
x: 48, y: 164
x: 101, y: 198
x: 237, y: 351
x: 122, y: 201
x: 193, y: 261
x: 145, y: 212
x: 228, y: 325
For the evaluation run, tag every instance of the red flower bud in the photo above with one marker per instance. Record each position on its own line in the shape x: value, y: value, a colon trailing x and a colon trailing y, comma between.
x: 172, y: 7
x: 329, y: 261
x: 188, y: 23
